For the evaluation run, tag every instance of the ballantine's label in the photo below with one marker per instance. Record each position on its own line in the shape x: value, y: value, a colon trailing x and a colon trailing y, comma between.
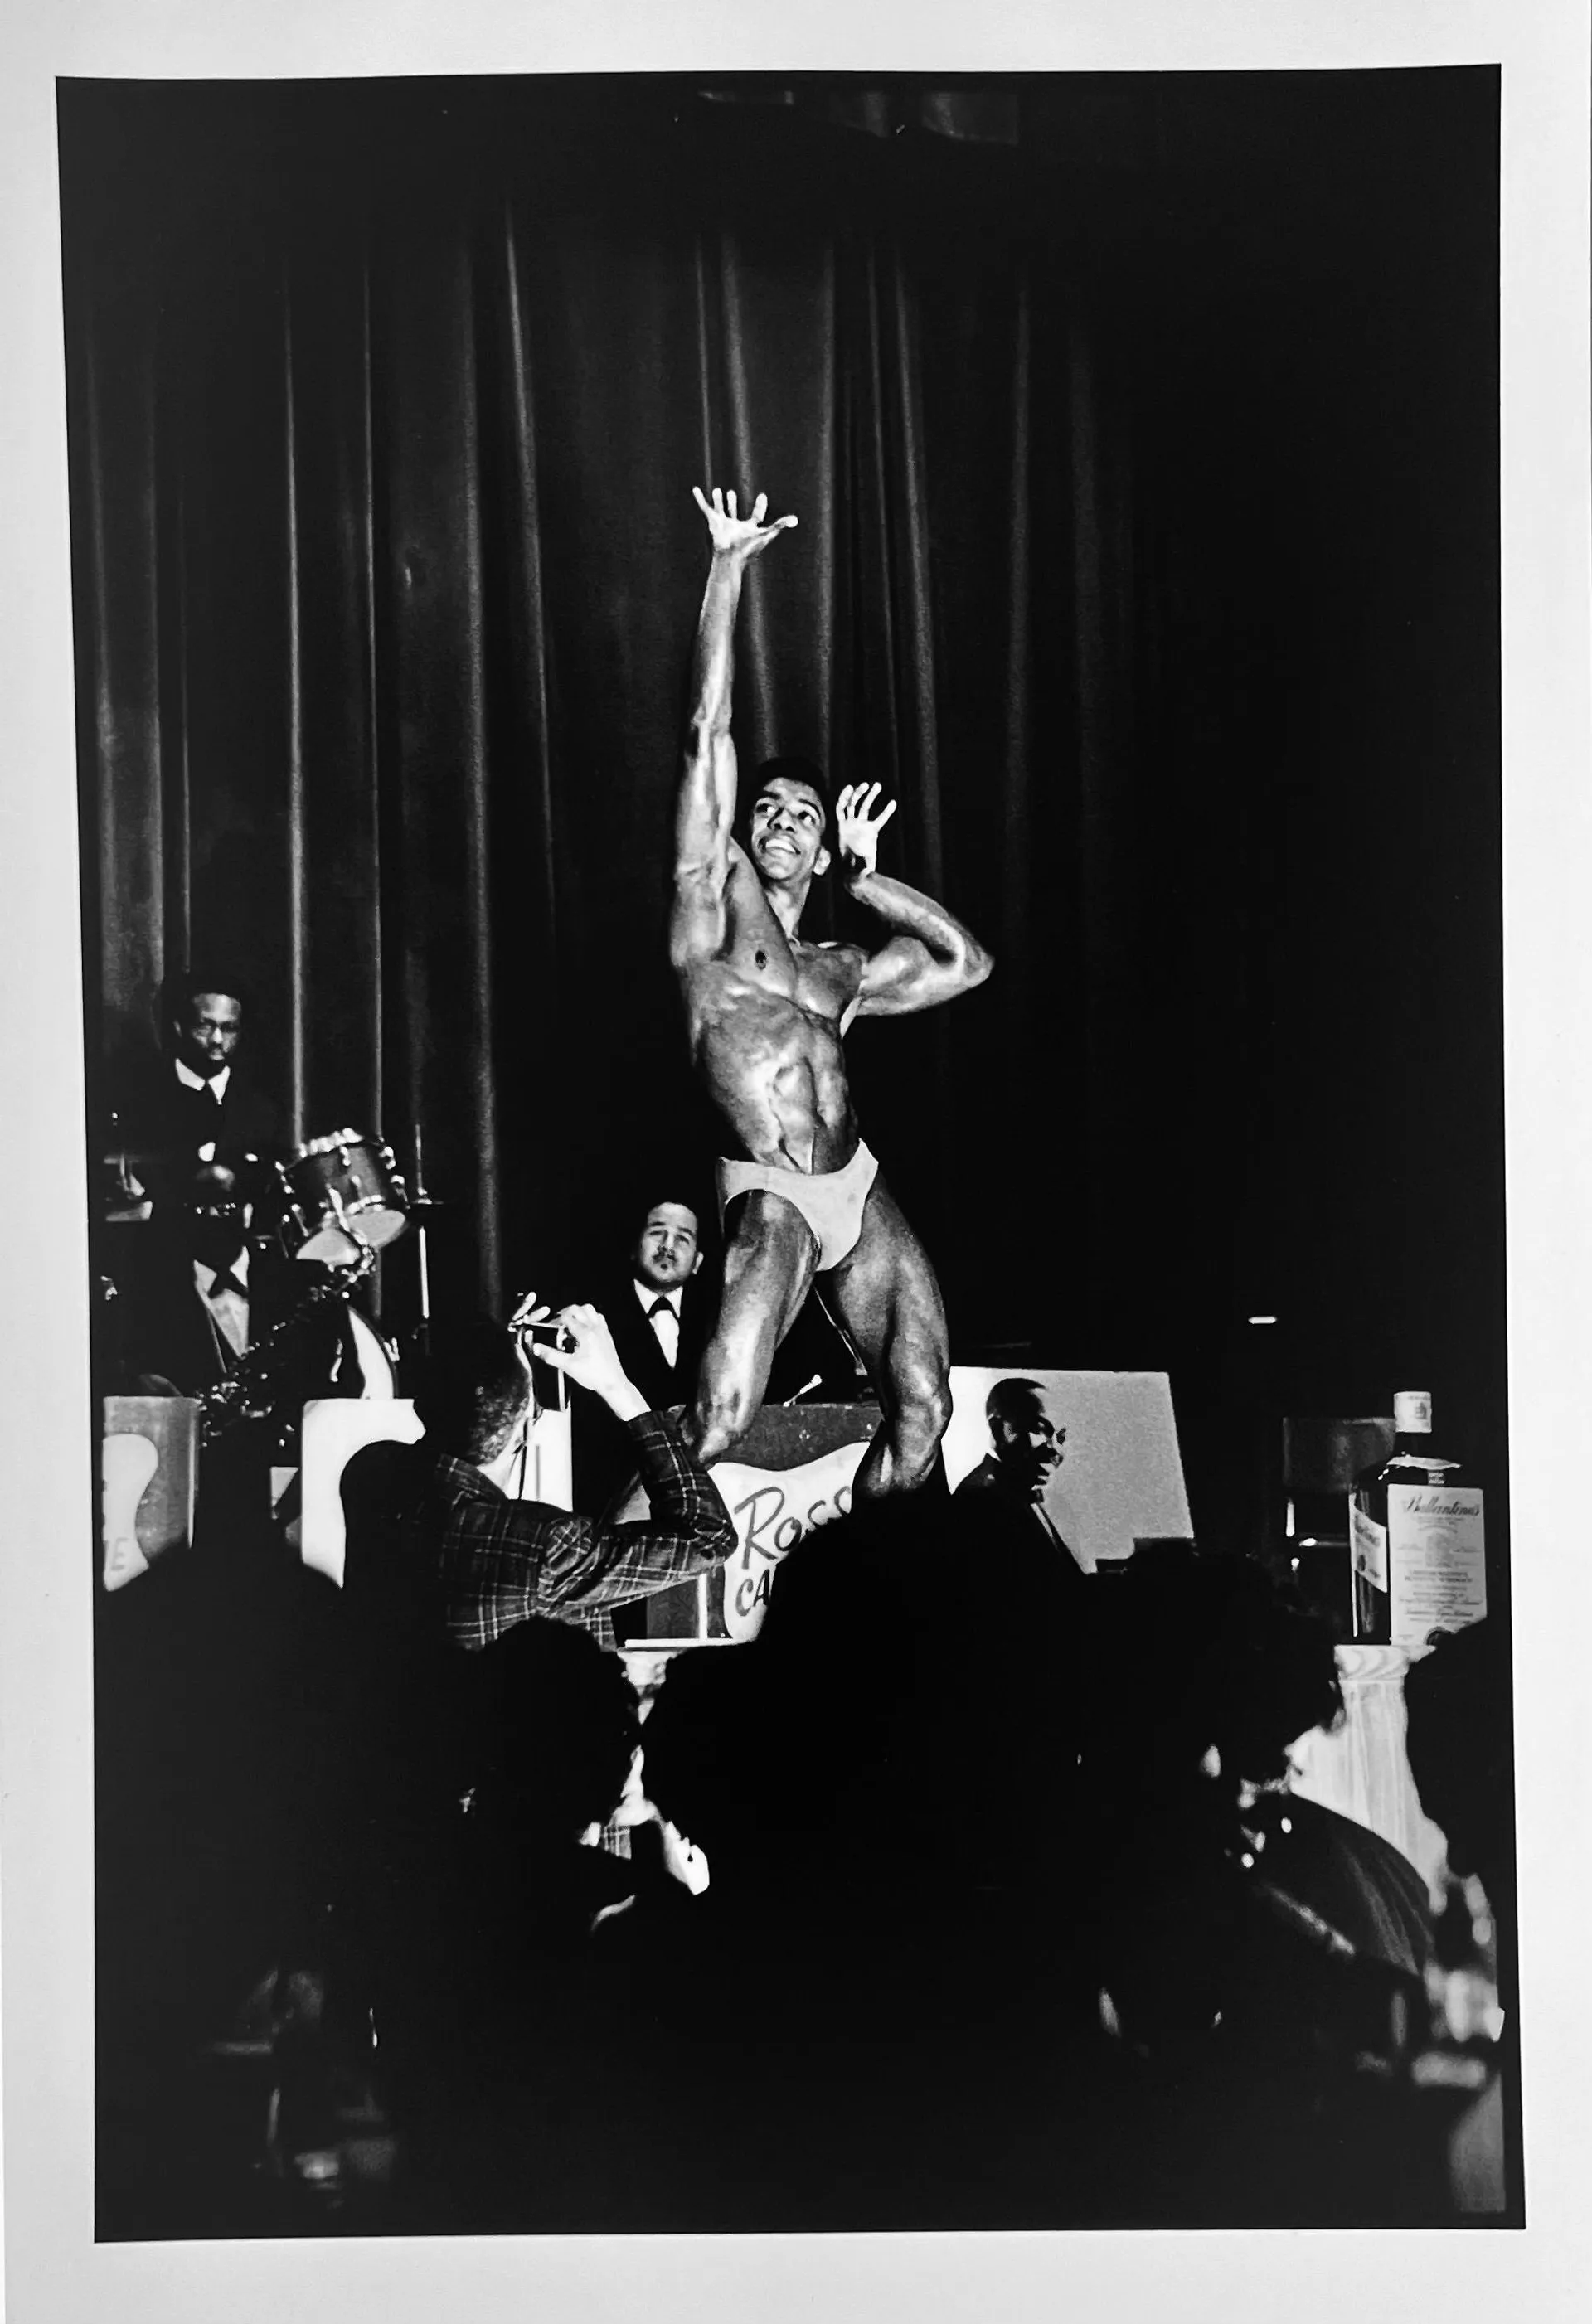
x: 1436, y: 1540
x: 772, y: 1509
x: 1368, y: 1543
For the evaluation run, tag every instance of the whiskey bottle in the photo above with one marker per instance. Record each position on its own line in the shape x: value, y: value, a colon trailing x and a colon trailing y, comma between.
x: 1416, y: 1538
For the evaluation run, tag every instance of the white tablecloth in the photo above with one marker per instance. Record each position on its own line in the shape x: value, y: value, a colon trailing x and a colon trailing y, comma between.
x: 1363, y: 1770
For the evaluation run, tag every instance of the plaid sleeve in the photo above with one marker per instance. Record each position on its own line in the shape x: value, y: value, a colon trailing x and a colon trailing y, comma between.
x: 688, y: 1531
x: 504, y: 1560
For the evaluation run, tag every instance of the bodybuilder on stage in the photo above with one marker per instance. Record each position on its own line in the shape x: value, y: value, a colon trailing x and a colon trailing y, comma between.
x: 801, y: 1195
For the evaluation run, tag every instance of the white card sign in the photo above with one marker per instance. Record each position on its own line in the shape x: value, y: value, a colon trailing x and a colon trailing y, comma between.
x: 1120, y: 1477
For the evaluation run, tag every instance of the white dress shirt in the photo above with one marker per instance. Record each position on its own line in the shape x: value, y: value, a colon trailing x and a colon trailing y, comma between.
x: 227, y: 1312
x: 666, y: 1323
x: 216, y: 1086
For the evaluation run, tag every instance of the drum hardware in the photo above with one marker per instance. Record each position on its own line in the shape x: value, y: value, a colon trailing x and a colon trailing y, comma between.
x: 424, y: 1205
x: 124, y: 1199
x: 341, y: 1195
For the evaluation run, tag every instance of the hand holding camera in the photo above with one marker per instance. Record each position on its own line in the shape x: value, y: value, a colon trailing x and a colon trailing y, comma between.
x: 577, y: 1342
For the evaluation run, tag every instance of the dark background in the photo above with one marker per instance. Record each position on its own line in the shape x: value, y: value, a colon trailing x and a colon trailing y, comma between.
x: 1144, y: 434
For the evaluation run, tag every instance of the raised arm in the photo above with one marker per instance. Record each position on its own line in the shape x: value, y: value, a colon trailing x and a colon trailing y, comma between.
x: 705, y: 814
x: 931, y: 958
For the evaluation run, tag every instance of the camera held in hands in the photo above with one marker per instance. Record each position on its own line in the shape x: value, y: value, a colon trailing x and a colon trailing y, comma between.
x: 550, y: 1334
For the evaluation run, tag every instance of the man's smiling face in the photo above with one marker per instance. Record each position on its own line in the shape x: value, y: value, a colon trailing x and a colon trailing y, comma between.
x: 785, y: 840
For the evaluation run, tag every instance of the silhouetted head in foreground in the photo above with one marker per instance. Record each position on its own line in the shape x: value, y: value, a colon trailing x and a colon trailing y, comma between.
x: 1457, y: 1700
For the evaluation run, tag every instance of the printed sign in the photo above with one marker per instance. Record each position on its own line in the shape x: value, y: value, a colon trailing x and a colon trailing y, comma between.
x: 792, y: 1473
x: 1437, y: 1537
x: 773, y: 1510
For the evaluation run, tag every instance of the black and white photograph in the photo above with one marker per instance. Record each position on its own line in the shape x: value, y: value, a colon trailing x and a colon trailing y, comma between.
x: 704, y: 1616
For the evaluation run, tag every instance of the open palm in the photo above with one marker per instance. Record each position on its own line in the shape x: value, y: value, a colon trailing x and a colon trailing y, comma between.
x: 739, y: 536
x: 858, y: 821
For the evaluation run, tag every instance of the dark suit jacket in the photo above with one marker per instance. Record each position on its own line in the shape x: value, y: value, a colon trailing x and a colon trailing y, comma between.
x: 166, y: 1327
x: 1002, y: 1525
x: 637, y: 1341
x: 604, y: 1458
x: 166, y: 1122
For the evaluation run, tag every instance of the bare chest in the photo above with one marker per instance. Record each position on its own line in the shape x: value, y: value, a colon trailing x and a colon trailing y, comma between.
x: 820, y: 981
x: 762, y: 966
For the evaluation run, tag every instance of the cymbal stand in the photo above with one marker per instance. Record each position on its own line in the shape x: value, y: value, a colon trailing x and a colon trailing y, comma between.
x: 420, y: 1204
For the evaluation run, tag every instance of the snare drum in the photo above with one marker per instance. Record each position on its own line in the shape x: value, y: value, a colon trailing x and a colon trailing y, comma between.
x: 340, y: 1193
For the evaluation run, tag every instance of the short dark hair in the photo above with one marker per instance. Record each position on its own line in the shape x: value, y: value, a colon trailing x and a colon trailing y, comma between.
x: 1013, y: 1400
x: 1457, y: 1699
x: 677, y: 1200
x: 795, y: 770
x: 472, y: 1390
x: 640, y: 1194
x: 1214, y: 1648
x: 569, y: 1726
x: 183, y: 990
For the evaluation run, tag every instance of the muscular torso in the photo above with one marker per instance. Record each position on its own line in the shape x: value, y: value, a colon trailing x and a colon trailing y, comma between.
x: 765, y: 1015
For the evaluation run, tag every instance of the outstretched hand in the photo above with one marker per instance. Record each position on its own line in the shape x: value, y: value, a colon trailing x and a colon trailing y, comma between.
x: 857, y: 827
x: 743, y: 537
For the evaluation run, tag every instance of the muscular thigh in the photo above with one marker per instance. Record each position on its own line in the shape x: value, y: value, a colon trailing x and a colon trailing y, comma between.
x: 770, y: 1261
x: 885, y: 1292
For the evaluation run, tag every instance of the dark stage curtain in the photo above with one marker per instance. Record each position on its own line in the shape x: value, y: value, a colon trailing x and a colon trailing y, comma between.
x: 1143, y: 437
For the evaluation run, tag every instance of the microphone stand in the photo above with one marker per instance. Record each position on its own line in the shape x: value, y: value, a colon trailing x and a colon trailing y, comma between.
x: 419, y: 1204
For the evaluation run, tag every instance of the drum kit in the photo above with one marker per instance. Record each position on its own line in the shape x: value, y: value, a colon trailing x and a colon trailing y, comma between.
x: 339, y: 1200
x: 343, y: 1199
x: 342, y: 1195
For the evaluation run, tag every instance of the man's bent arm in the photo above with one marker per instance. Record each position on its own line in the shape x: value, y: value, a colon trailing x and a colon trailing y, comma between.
x: 932, y: 958
x: 688, y: 1531
x: 503, y: 1562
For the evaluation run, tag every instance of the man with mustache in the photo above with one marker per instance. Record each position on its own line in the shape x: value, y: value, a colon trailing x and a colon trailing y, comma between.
x: 802, y: 1197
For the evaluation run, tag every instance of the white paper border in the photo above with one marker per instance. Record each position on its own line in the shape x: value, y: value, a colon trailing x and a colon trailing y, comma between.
x: 44, y: 1636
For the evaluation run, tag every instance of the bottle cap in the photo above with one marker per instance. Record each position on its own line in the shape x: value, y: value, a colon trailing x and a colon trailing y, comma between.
x: 1412, y: 1411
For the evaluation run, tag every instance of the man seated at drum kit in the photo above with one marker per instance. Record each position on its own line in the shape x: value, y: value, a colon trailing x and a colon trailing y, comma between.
x: 210, y: 1309
x: 203, y: 1228
x: 194, y: 1104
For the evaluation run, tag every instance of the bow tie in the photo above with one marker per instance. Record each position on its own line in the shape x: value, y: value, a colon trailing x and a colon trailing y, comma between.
x: 226, y: 1280
x: 660, y: 1307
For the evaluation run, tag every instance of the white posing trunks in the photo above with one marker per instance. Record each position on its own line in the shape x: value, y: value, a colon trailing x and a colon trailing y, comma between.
x: 830, y: 1201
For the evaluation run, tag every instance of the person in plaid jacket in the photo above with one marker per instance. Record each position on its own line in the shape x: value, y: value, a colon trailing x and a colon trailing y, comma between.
x: 434, y: 1537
